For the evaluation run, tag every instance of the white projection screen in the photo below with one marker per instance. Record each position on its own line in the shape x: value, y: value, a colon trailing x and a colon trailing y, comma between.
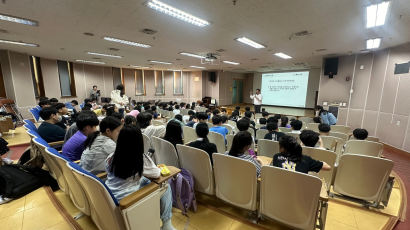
x: 285, y: 89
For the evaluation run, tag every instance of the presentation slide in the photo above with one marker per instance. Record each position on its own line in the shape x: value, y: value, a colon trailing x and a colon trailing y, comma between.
x: 285, y: 89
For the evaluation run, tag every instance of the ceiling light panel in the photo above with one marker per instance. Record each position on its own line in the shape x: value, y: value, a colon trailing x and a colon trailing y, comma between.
x: 160, y: 62
x: 104, y: 55
x: 18, y: 43
x: 192, y: 55
x: 373, y: 43
x: 197, y: 67
x: 91, y: 62
x: 282, y: 55
x: 125, y: 42
x: 249, y: 42
x: 231, y: 62
x: 376, y: 14
x: 140, y: 67
x: 176, y: 13
x: 23, y: 21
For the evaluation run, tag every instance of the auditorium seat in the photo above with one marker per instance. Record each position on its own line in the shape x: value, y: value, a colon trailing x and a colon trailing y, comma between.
x: 235, y: 181
x: 267, y: 148
x: 260, y: 134
x: 147, y: 143
x: 369, y: 148
x: 229, y: 140
x: 340, y: 128
x: 285, y: 130
x: 252, y: 132
x: 362, y: 177
x: 230, y: 130
x: 139, y: 210
x: 218, y: 140
x: 189, y: 134
x: 371, y: 138
x: 295, y: 135
x: 333, y: 144
x: 343, y: 136
x: 198, y: 163
x: 291, y: 198
x: 165, y: 152
x: 30, y: 124
x: 233, y: 123
x: 313, y: 126
x: 35, y: 113
x: 157, y: 122
x: 210, y: 125
x: 325, y: 156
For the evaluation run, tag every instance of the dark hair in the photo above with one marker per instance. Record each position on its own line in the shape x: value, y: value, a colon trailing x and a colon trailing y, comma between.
x: 272, y: 126
x: 202, y: 116
x: 59, y: 106
x: 284, y: 121
x: 43, y: 103
x: 176, y: 106
x: 53, y: 100
x: 147, y: 107
x: 144, y: 119
x: 292, y: 149
x: 235, y: 113
x: 321, y: 109
x: 173, y: 133
x: 94, y: 86
x: 46, y: 112
x: 296, y: 124
x: 87, y: 100
x: 258, y: 89
x: 317, y: 120
x: 75, y: 102
x: 262, y: 121
x: 86, y: 118
x: 128, y: 157
x: 191, y: 112
x: 224, y: 119
x: 240, y: 140
x: 237, y: 108
x: 360, y: 134
x: 109, y: 109
x: 202, y: 131
x: 119, y: 116
x: 153, y: 108
x: 110, y: 123
x: 247, y: 108
x: 216, y: 119
x: 248, y: 114
x: 178, y: 117
x: 130, y: 120
x: 265, y: 114
x: 271, y: 120
x: 120, y: 87
x: 187, y: 106
x: 216, y: 111
x: 325, y: 128
x: 309, y: 138
x: 243, y: 124
x: 277, y: 116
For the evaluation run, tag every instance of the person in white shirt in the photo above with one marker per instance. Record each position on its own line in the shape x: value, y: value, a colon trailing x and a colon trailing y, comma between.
x: 119, y: 98
x: 144, y: 120
x: 176, y: 110
x: 296, y: 126
x: 312, y: 139
x: 257, y: 100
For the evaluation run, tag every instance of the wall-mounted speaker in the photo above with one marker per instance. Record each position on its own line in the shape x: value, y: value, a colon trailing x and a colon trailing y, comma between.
x: 212, y: 77
x: 331, y: 66
x: 402, y: 68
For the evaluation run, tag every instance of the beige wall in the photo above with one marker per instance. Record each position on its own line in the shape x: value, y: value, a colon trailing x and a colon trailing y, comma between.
x: 380, y: 100
x: 225, y: 86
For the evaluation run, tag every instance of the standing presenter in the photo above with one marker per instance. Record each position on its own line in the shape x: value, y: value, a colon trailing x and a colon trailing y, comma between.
x: 257, y: 100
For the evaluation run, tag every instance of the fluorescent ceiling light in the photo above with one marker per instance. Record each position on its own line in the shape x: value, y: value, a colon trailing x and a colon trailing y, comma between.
x: 139, y: 67
x: 231, y: 62
x: 376, y: 14
x: 176, y: 13
x: 198, y: 67
x: 282, y: 55
x: 104, y: 55
x: 192, y: 55
x: 249, y: 42
x: 373, y: 43
x: 160, y: 62
x: 174, y: 70
x: 130, y: 43
x: 19, y: 43
x: 91, y: 62
x: 18, y: 20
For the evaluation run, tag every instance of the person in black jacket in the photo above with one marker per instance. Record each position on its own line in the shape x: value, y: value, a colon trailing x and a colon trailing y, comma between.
x: 202, y: 142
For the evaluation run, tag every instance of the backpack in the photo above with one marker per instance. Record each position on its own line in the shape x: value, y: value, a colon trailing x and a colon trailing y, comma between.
x: 183, y: 195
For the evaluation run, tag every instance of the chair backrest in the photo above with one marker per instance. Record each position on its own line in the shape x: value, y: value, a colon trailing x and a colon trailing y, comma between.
x: 233, y: 123
x: 333, y: 143
x: 210, y: 125
x: 198, y: 163
x: 76, y: 191
x: 267, y: 148
x: 54, y: 168
x: 295, y: 135
x: 235, y: 181
x: 260, y: 134
x: 325, y: 156
x: 340, y: 128
x: 229, y: 128
x: 30, y: 124
x: 307, y: 120
x: 147, y: 142
x: 36, y: 114
x: 313, y: 126
x: 32, y: 133
x: 369, y: 148
x: 218, y: 140
x: 362, y: 177
x: 257, y: 126
x: 165, y: 152
x: 157, y: 122
x: 252, y: 132
x: 229, y: 140
x: 104, y: 207
x: 189, y: 134
x: 371, y: 138
x: 343, y: 136
x: 285, y: 130
x: 288, y: 197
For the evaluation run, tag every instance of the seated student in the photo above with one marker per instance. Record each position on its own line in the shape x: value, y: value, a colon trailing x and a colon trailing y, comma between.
x: 216, y: 112
x: 173, y: 133
x: 129, y: 120
x: 242, y: 141
x: 326, y: 116
x: 223, y: 112
x: 324, y: 129
x: 236, y: 112
x: 62, y: 110
x: 317, y: 120
x: 311, y: 138
x: 202, y: 142
x: 243, y: 125
x: 208, y: 113
x: 178, y: 118
x: 87, y: 123
x: 133, y: 113
x: 87, y: 107
x: 145, y: 123
x: 53, y: 101
x: 202, y: 118
x: 265, y: 115
x: 110, y: 109
x: 284, y: 122
x: 154, y: 112
x: 360, y: 134
x: 262, y: 122
x: 129, y: 168
x: 74, y: 104
x: 48, y: 130
x: 292, y: 159
x: 186, y: 118
x: 192, y: 121
x: 248, y: 114
x: 225, y: 122
x: 99, y: 145
x: 176, y: 110
x: 44, y: 103
x: 296, y: 125
x: 218, y: 128
x: 188, y: 106
x: 274, y: 133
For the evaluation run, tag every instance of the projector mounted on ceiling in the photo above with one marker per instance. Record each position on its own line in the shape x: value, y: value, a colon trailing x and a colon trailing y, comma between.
x: 211, y: 59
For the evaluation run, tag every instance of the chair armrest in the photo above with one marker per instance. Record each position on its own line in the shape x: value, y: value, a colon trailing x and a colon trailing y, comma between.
x: 137, y: 195
x: 173, y: 171
x: 60, y: 143
x: 102, y: 175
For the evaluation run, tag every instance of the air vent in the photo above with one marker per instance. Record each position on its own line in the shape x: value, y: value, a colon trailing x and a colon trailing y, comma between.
x: 148, y: 31
x: 299, y: 64
x: 254, y: 59
x: 88, y: 34
x: 96, y: 58
x: 320, y: 50
x: 302, y: 33
x: 178, y: 59
x: 220, y: 50
x: 114, y: 49
x: 264, y: 66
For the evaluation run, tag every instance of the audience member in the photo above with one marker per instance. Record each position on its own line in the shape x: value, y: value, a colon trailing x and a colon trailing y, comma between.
x: 145, y: 123
x: 44, y: 103
x: 119, y: 99
x: 53, y: 101
x: 100, y: 144
x: 360, y: 134
x: 74, y: 104
x: 284, y: 122
x: 218, y: 128
x: 317, y: 120
x: 202, y: 118
x: 324, y: 129
x: 265, y: 114
x: 192, y: 120
x: 274, y: 133
x: 248, y: 114
x: 225, y: 122
x: 243, y: 125
x: 262, y: 122
x: 129, y: 120
x: 311, y: 138
x: 202, y: 142
x: 62, y: 110
x: 176, y: 110
x: 173, y: 133
x: 296, y: 126
x: 48, y: 130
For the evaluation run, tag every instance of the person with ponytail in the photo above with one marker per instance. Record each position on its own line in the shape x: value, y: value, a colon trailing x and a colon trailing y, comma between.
x: 326, y: 117
x: 99, y: 145
x: 202, y: 142
x: 291, y: 157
